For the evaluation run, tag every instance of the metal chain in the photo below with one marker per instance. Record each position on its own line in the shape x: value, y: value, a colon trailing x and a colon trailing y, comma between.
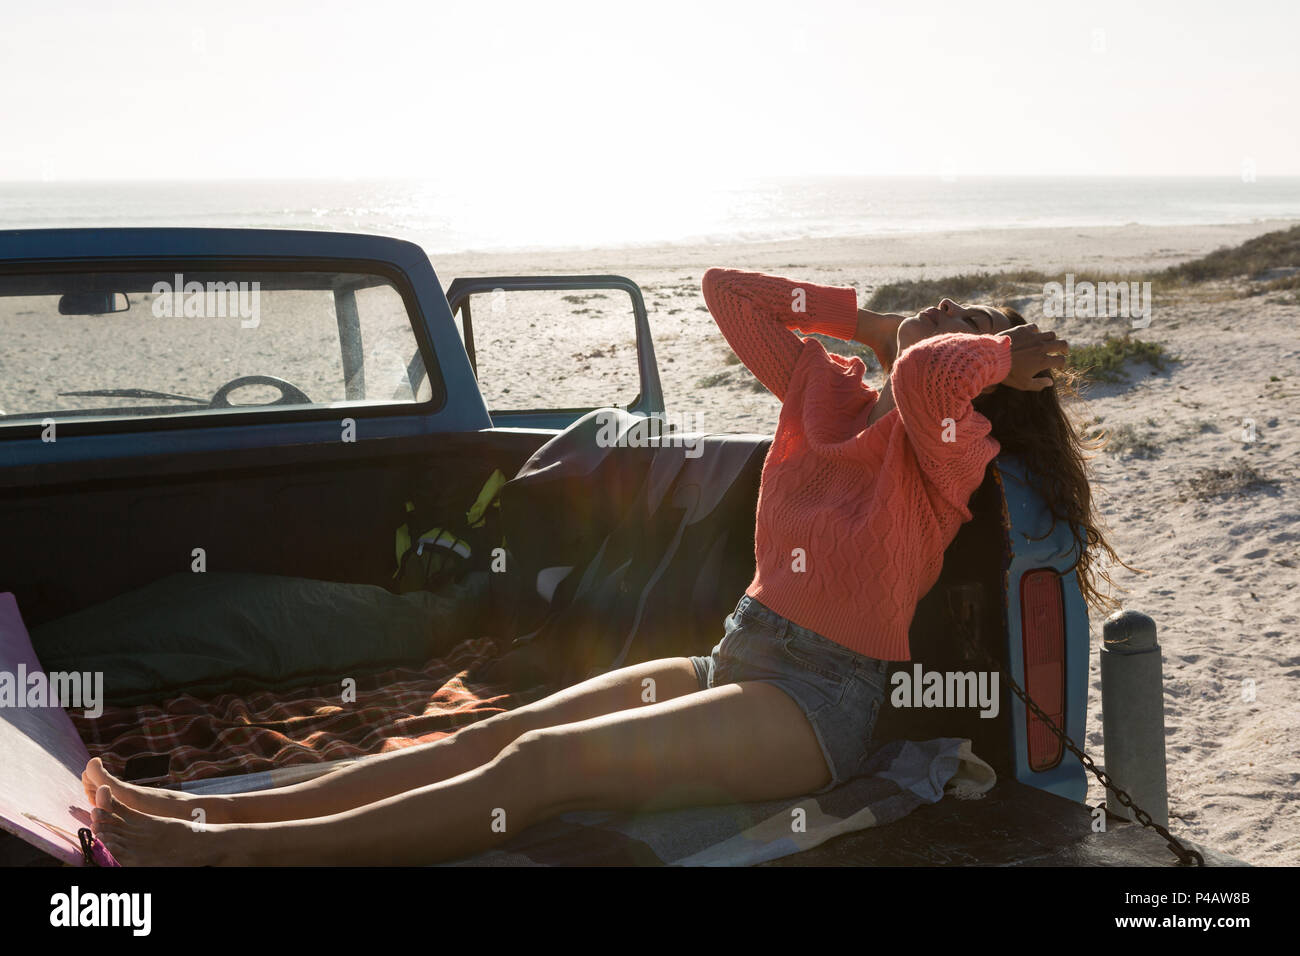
x: 1185, y: 856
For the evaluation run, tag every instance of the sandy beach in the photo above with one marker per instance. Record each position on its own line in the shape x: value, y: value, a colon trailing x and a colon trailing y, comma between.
x: 1224, y: 570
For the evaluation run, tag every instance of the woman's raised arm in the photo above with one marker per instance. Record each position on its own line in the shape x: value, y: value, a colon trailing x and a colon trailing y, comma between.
x: 756, y: 313
x: 934, y: 383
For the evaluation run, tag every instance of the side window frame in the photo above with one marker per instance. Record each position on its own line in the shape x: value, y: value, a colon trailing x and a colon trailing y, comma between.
x: 649, y: 400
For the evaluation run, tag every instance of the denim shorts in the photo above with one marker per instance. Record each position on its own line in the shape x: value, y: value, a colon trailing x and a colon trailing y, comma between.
x: 839, y: 690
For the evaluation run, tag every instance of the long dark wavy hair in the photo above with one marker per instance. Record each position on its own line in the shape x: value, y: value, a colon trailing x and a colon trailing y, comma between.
x: 1038, y: 427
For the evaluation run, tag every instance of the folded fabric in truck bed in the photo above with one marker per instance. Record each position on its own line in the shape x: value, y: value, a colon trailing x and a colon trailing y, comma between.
x: 217, y: 632
x: 186, y: 738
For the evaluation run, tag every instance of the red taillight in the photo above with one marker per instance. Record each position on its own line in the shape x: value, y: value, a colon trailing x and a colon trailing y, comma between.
x: 1042, y: 617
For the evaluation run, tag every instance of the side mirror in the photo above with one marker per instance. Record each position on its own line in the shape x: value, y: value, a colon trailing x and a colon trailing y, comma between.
x: 93, y: 303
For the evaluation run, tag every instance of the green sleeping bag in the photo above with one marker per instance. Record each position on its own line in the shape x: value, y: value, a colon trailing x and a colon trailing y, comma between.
x: 213, y: 633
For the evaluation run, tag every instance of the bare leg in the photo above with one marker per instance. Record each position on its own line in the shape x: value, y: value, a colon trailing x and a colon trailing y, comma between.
x: 734, y: 743
x: 375, y: 778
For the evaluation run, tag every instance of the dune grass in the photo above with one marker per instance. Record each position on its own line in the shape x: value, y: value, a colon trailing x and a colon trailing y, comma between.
x: 1289, y: 283
x: 915, y: 294
x: 1128, y: 440
x: 1252, y: 259
x: 1105, y: 361
x: 1239, y: 478
x: 743, y: 377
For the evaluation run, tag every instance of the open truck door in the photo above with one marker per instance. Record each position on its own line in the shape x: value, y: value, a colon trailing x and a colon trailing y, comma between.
x: 594, y: 348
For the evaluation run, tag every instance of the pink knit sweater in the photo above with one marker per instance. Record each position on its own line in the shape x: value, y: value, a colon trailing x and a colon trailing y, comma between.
x: 853, y: 521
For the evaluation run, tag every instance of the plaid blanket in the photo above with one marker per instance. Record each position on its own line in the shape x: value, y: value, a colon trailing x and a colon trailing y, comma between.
x: 282, y: 733
x: 902, y: 775
x: 233, y: 744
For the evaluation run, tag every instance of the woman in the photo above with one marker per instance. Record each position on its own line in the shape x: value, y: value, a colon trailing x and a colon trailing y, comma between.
x: 861, y: 494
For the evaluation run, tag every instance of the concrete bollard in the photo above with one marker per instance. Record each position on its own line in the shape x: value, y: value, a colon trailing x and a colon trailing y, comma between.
x: 1133, y: 714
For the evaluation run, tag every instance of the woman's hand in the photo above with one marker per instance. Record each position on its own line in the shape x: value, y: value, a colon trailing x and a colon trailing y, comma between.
x: 1033, y: 351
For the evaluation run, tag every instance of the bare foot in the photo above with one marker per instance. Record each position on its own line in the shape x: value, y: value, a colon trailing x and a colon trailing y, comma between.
x: 138, y: 839
x: 151, y: 800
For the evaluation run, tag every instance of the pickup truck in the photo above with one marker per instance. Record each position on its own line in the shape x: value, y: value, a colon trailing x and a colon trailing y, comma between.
x: 121, y: 447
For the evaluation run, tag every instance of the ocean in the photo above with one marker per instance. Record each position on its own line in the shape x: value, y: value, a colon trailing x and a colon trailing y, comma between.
x: 453, y: 217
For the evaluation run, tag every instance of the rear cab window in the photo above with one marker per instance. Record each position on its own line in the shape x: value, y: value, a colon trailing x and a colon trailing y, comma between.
x: 122, y: 342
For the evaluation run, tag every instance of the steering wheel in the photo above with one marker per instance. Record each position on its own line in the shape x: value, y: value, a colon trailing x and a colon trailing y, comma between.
x: 290, y: 394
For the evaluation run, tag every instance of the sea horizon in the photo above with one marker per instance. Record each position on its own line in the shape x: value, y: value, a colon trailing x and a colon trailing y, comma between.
x: 454, y: 216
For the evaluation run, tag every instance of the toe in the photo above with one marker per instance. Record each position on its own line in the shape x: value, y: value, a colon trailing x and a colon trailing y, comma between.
x: 92, y: 777
x: 104, y: 799
x: 101, y: 822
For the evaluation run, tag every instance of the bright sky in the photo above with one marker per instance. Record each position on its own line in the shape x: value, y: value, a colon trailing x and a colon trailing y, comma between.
x: 567, y: 92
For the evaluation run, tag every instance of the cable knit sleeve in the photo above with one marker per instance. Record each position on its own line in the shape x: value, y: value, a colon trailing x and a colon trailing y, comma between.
x: 934, y: 382
x: 756, y: 313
